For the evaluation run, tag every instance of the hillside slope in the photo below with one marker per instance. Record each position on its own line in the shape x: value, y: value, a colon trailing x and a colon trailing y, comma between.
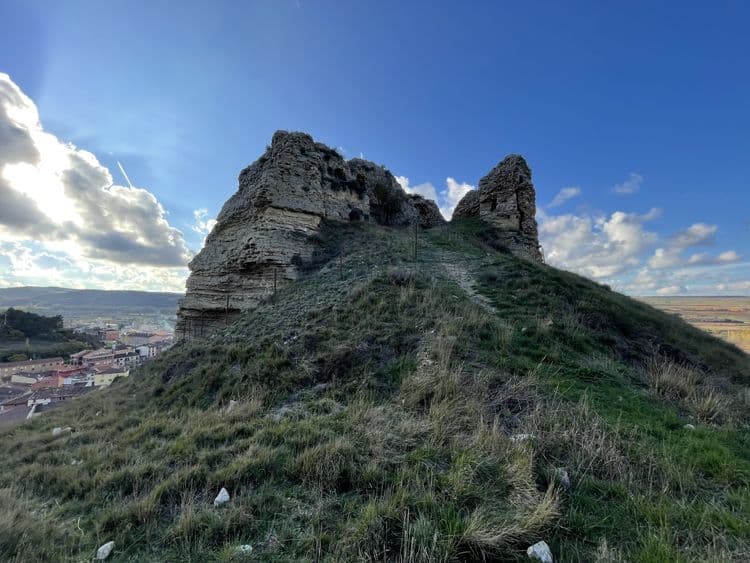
x: 460, y: 406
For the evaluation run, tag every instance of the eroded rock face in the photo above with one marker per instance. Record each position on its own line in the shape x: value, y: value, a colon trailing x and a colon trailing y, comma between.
x: 468, y: 206
x: 506, y: 199
x: 263, y: 231
x: 429, y: 213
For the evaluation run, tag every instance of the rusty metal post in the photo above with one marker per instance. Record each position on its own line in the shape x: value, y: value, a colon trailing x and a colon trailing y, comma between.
x: 416, y: 234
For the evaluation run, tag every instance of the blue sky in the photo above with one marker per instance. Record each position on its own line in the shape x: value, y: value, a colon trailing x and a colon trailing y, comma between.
x: 649, y: 98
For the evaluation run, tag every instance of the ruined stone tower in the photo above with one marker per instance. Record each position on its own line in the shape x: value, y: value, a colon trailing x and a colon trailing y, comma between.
x: 506, y: 200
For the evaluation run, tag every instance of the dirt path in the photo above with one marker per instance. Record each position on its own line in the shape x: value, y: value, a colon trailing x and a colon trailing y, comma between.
x: 466, y: 281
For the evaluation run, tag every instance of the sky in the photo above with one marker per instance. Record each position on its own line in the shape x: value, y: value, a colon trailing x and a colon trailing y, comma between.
x: 124, y: 125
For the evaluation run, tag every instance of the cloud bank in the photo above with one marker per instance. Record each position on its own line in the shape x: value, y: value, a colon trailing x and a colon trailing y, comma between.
x: 624, y: 250
x: 62, y: 216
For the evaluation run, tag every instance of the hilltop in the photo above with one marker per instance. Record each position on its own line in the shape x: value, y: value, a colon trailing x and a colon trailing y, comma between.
x: 268, y: 229
x: 450, y: 400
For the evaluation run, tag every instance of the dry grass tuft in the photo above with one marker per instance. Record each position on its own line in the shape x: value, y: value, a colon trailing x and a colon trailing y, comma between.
x: 707, y: 400
x: 328, y: 463
x: 23, y: 531
x: 709, y: 407
x: 670, y: 379
x: 576, y: 437
x: 489, y: 531
x: 607, y: 554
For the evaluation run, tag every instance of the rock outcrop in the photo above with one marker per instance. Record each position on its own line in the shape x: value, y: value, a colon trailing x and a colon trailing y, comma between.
x: 265, y: 230
x: 506, y: 200
x: 429, y: 214
x: 468, y: 206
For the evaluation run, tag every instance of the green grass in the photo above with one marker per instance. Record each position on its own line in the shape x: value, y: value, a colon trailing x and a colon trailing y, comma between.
x: 376, y: 412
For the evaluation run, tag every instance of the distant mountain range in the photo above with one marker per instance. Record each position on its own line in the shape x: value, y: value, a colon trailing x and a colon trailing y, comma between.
x: 81, y: 302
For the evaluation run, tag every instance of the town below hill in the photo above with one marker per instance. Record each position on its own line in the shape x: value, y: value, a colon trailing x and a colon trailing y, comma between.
x: 31, y: 385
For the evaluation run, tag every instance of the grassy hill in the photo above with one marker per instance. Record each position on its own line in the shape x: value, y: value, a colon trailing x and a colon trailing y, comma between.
x: 387, y: 409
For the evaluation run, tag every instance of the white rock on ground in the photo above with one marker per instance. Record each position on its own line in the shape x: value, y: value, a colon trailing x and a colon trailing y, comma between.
x: 104, y: 551
x: 222, y: 497
x: 564, y: 478
x: 689, y: 427
x: 245, y: 549
x: 540, y: 552
x: 56, y: 431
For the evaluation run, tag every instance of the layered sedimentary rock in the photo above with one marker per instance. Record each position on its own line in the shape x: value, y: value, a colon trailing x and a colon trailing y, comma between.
x: 264, y: 231
x: 506, y: 200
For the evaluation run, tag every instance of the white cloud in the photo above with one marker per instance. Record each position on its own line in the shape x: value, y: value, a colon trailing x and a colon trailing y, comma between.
x: 596, y: 246
x: 629, y: 186
x: 699, y: 234
x: 452, y: 195
x: 203, y: 224
x: 663, y: 259
x: 670, y: 290
x: 59, y: 200
x: 619, y: 249
x: 728, y: 257
x: 564, y: 195
x: 703, y: 258
x: 29, y: 264
x: 448, y: 197
x: 426, y: 190
x: 743, y: 285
